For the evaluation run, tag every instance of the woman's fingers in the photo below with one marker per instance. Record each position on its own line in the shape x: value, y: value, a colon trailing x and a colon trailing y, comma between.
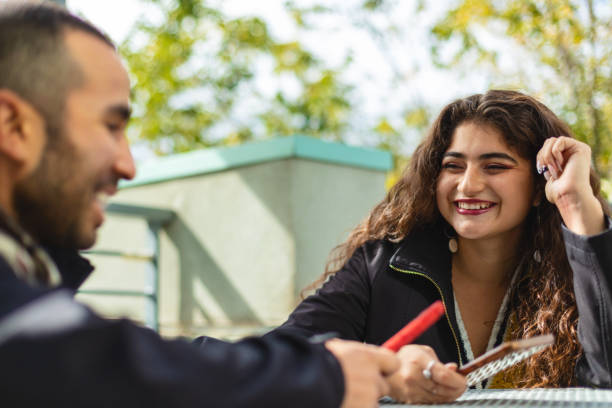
x: 568, y: 186
x: 567, y: 157
x: 557, y: 149
x: 546, y: 161
x: 557, y: 152
x: 449, y: 377
x: 425, y: 379
x: 448, y: 383
x: 451, y: 366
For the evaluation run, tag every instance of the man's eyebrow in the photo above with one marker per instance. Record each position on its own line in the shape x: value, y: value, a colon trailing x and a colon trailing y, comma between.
x: 485, y: 156
x: 122, y: 111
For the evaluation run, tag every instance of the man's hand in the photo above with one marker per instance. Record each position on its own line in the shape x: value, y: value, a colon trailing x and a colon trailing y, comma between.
x: 365, y: 369
x: 441, y: 384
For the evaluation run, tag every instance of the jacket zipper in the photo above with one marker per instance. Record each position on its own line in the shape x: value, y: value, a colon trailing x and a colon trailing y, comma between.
x: 443, y: 302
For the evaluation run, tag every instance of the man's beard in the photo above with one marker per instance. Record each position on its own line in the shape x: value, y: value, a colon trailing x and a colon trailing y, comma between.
x: 46, y: 203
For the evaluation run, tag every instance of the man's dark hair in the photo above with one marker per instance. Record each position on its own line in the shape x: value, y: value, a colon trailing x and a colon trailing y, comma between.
x: 34, y: 60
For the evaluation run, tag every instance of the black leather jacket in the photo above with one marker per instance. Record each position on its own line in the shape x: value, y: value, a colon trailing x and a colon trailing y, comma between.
x: 385, y: 285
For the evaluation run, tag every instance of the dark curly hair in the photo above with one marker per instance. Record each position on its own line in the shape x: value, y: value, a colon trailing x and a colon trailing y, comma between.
x: 542, y: 300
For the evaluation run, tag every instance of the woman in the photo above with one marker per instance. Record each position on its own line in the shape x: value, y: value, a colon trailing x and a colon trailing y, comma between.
x: 511, y: 253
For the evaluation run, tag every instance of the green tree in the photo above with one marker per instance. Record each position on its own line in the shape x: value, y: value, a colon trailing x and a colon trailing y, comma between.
x: 196, y: 79
x: 558, y: 50
x: 402, y: 121
x: 562, y: 52
x: 199, y: 72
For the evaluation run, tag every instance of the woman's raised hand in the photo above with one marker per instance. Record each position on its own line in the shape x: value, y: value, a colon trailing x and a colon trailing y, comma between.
x: 422, y: 378
x: 565, y: 163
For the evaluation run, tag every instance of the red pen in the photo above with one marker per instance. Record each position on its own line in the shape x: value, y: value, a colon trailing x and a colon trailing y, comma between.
x: 416, y: 327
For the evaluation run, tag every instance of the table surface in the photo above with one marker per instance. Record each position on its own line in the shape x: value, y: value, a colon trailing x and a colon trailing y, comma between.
x: 536, y: 397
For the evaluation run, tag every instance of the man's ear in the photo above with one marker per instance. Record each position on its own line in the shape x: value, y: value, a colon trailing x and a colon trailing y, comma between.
x: 22, y: 129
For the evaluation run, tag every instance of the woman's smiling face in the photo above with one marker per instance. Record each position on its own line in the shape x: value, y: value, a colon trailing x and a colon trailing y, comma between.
x: 485, y: 189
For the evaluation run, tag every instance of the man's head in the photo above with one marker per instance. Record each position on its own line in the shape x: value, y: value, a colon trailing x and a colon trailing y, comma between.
x: 64, y: 106
x: 34, y: 61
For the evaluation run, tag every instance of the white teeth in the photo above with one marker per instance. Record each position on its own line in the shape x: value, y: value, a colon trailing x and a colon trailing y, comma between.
x: 102, y: 198
x: 473, y: 206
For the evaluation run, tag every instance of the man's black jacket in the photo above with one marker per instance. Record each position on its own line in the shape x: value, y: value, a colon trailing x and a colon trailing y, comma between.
x: 54, y: 352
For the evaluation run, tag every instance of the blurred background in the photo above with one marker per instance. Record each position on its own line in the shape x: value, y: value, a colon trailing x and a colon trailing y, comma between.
x: 211, y: 76
x: 365, y: 72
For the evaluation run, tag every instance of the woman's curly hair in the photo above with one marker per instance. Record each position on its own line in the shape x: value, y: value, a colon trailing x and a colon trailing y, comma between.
x: 542, y: 300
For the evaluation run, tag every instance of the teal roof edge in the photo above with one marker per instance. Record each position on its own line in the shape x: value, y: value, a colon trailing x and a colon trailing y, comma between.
x: 224, y: 158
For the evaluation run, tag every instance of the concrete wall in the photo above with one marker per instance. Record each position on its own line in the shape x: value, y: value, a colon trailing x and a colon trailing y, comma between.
x: 244, y: 244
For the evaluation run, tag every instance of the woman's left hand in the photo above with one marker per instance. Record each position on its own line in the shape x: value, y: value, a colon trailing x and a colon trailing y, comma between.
x: 568, y: 164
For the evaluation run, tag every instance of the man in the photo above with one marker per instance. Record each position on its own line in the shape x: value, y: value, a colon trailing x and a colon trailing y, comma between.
x: 64, y: 107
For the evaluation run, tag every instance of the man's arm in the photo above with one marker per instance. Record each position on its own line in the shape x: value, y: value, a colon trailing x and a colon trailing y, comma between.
x: 79, y: 359
x: 56, y: 352
x: 71, y: 357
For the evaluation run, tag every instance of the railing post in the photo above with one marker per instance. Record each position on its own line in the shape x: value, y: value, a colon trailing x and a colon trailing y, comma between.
x: 156, y: 220
x: 152, y: 278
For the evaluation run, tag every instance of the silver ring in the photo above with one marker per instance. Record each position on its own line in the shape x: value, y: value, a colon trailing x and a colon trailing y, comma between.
x: 542, y: 169
x: 427, y: 371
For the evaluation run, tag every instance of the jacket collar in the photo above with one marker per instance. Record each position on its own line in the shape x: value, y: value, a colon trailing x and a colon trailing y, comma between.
x: 425, y: 250
x: 73, y: 268
x: 40, y: 265
x: 28, y: 260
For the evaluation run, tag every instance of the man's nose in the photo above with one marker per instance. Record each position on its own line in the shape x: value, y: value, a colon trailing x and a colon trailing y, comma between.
x: 471, y: 182
x: 124, y: 162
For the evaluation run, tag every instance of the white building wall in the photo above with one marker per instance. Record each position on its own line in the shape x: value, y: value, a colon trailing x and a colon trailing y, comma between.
x: 245, y: 242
